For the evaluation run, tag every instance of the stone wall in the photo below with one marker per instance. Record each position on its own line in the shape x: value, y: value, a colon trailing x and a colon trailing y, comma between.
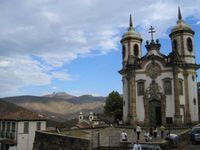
x: 52, y: 141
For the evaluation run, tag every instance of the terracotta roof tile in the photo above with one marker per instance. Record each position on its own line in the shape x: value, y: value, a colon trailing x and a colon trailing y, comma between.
x: 83, y: 125
x: 21, y: 116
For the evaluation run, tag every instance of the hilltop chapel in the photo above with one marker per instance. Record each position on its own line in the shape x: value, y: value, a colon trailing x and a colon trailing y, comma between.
x: 158, y: 86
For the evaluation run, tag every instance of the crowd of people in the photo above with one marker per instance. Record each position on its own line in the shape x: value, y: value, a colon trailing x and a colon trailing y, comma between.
x: 150, y: 134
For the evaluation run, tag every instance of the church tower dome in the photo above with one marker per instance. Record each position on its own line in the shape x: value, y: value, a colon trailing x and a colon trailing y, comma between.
x: 131, y: 45
x: 181, y: 25
x: 131, y: 33
x: 182, y: 37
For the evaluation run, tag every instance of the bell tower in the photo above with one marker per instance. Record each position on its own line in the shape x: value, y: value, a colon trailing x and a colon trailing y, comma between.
x: 131, y: 45
x: 131, y: 52
x: 182, y: 37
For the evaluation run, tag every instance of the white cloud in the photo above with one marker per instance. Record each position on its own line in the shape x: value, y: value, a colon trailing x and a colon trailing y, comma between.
x: 58, y: 32
x: 62, y: 76
x: 198, y: 23
x: 83, y: 92
x: 23, y: 71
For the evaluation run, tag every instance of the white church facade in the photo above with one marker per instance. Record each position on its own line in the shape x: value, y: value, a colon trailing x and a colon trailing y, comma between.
x: 156, y: 86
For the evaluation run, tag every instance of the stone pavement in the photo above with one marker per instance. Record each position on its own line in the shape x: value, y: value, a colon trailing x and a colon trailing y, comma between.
x: 111, y: 136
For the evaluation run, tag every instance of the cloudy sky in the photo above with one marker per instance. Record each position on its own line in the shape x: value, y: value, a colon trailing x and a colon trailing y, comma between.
x: 73, y: 46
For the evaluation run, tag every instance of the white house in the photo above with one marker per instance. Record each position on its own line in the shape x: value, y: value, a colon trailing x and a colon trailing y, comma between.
x: 17, y: 130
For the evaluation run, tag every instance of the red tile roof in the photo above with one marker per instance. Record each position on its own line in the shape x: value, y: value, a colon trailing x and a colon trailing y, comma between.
x: 83, y: 125
x: 21, y: 116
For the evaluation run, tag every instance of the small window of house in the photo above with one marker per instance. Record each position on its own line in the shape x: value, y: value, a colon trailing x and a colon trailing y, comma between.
x: 38, y: 125
x: 4, y: 126
x: 13, y: 127
x: 8, y: 126
x: 26, y: 127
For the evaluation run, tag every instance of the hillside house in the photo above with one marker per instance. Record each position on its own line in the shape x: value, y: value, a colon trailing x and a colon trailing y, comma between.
x: 17, y: 130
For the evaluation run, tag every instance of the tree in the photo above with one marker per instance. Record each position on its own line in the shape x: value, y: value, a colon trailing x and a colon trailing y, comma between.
x: 114, y: 105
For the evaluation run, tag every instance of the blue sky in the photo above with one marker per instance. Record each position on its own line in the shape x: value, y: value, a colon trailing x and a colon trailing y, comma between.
x: 74, y: 46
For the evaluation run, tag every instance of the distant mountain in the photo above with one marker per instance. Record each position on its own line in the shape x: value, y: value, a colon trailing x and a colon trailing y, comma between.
x: 61, y: 95
x: 6, y: 107
x: 59, y: 106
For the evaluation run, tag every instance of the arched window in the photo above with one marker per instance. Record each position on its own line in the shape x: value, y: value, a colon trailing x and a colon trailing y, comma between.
x: 189, y: 45
x: 180, y: 87
x: 167, y: 86
x: 194, y: 101
x: 140, y: 87
x: 123, y: 51
x: 136, y: 50
x: 174, y: 45
x: 193, y: 78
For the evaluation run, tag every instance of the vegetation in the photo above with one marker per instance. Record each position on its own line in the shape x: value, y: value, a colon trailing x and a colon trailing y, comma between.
x: 114, y: 105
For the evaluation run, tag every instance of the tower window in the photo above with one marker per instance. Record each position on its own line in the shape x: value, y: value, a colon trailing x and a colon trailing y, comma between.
x: 194, y: 101
x: 136, y: 50
x: 193, y: 78
x: 141, y: 88
x: 174, y: 45
x: 180, y: 87
x: 189, y: 44
x: 167, y: 87
x: 123, y: 51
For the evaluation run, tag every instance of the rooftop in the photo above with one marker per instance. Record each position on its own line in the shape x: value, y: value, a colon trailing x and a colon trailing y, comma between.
x: 23, y: 115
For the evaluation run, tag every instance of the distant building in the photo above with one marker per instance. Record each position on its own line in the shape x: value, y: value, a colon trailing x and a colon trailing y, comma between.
x: 17, y: 130
x: 155, y: 85
x: 90, y: 121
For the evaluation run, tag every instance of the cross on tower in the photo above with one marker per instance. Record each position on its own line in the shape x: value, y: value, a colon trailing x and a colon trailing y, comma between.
x: 151, y: 30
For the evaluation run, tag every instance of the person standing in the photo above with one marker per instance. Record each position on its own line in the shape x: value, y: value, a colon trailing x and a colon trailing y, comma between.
x: 146, y: 136
x: 162, y: 131
x: 124, y: 136
x: 138, y: 130
x: 155, y: 132
x: 137, y: 146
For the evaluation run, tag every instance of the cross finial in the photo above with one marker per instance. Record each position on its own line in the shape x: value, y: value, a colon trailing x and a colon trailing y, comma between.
x: 151, y: 30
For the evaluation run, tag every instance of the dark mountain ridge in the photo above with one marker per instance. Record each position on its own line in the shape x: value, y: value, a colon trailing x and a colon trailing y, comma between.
x: 54, y: 97
x: 59, y: 106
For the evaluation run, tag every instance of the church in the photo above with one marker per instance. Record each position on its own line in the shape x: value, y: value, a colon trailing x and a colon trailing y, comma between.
x: 158, y: 86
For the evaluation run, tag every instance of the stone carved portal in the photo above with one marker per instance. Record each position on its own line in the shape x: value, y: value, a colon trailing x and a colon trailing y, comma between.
x: 155, y: 105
